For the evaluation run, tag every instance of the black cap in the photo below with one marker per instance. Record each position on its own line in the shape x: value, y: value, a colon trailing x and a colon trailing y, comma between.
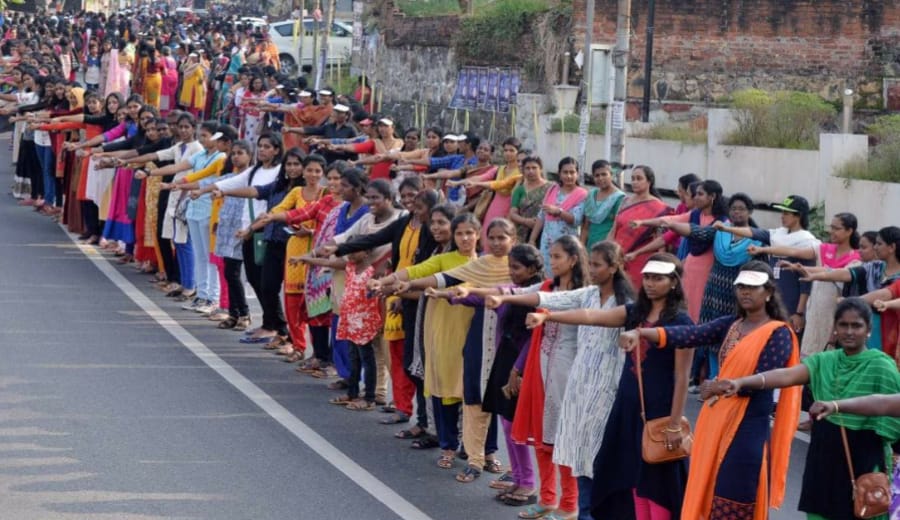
x: 793, y: 204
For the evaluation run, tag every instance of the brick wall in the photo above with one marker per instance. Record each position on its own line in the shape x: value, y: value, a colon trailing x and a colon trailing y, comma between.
x: 705, y: 49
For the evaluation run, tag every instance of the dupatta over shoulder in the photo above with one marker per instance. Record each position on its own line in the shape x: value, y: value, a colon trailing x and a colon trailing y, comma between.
x: 716, y: 429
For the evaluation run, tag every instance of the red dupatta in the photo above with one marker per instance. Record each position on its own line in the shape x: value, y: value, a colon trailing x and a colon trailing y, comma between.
x: 528, y: 422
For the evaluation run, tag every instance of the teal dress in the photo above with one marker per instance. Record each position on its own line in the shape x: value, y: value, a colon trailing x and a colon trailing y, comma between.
x: 600, y: 215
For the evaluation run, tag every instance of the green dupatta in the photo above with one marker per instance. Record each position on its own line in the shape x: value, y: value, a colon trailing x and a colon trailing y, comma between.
x: 834, y: 375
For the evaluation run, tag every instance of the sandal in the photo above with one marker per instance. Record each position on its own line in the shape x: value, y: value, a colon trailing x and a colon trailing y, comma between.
x: 503, y: 493
x: 227, y: 323
x: 388, y: 409
x: 562, y: 515
x: 274, y: 342
x: 427, y: 442
x: 445, y: 461
x: 518, y: 499
x: 343, y: 400
x: 242, y: 323
x: 468, y: 475
x: 323, y: 373
x: 534, y: 511
x: 410, y: 434
x: 397, y: 418
x: 286, y: 350
x: 361, y: 405
x: 493, y: 466
x: 293, y: 357
x: 504, y: 482
x: 340, y: 384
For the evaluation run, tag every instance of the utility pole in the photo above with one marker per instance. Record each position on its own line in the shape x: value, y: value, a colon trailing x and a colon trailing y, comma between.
x: 648, y: 61
x: 616, y: 128
x: 586, y: 101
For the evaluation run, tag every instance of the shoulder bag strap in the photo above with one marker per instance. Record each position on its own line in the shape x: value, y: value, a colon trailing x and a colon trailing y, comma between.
x: 638, y: 369
x: 250, y: 207
x: 847, y: 454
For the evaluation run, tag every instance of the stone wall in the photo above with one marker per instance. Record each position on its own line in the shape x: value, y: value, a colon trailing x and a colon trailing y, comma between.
x: 705, y: 49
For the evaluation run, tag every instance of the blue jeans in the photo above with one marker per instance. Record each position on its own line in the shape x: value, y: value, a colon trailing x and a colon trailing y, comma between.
x: 185, y: 255
x: 206, y: 275
x: 45, y: 158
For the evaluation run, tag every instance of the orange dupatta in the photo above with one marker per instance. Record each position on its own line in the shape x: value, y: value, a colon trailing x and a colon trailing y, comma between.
x: 716, y: 428
x: 528, y: 422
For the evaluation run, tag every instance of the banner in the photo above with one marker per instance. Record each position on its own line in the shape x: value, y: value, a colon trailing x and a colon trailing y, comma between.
x: 504, y: 91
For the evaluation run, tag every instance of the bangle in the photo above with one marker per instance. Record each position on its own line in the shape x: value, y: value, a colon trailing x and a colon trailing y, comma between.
x: 763, y: 386
x: 837, y: 409
x: 673, y: 430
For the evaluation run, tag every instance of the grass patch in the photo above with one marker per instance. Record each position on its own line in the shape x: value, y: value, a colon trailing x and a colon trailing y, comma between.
x: 883, y: 164
x: 673, y: 132
x: 788, y: 119
x: 572, y: 122
x: 435, y: 7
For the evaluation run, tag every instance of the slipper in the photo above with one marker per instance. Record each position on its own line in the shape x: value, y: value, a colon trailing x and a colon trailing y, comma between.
x: 343, y: 400
x: 562, y: 515
x: 388, y: 409
x: 361, y: 405
x: 249, y: 340
x: 428, y: 442
x: 408, y: 434
x: 397, y: 418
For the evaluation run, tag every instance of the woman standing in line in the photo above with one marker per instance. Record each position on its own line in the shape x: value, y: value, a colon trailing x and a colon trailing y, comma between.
x: 347, y: 199
x: 877, y: 276
x: 601, y: 205
x: 562, y: 210
x: 527, y: 198
x: 850, y: 370
x: 444, y: 330
x: 730, y: 252
x: 501, y: 182
x: 624, y: 485
x: 839, y: 252
x: 643, y: 204
x: 738, y: 464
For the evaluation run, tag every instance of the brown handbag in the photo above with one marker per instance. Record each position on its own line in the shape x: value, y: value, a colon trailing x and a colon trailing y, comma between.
x: 871, y: 491
x: 653, y: 440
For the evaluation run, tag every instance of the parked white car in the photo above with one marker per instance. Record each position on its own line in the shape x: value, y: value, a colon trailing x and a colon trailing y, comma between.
x: 340, y: 42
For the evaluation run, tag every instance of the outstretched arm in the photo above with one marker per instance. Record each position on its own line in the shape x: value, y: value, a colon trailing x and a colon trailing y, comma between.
x: 877, y: 405
x: 596, y: 317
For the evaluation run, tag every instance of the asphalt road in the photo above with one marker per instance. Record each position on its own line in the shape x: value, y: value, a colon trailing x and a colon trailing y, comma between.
x: 115, y: 403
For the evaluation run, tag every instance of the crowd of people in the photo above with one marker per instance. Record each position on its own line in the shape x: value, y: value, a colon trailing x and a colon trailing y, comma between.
x: 451, y: 284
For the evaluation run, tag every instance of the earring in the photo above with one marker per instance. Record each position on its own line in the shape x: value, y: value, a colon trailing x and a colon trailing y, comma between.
x: 768, y: 298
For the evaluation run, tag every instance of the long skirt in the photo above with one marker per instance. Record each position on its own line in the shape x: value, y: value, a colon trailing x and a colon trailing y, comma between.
x: 119, y: 225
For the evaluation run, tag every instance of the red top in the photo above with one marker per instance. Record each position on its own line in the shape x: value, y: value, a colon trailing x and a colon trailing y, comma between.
x: 890, y: 325
x: 380, y: 170
x: 361, y: 319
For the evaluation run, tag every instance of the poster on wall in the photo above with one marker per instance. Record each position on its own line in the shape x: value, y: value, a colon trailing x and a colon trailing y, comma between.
x: 472, y: 91
x: 459, y: 95
x: 514, y: 80
x: 490, y: 103
x: 483, y: 88
x: 503, y: 91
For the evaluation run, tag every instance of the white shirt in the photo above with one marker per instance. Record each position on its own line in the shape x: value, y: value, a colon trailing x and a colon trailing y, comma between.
x: 262, y: 177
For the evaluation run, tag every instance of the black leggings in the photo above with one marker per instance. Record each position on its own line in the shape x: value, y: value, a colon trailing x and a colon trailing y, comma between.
x: 166, y: 249
x: 237, y: 300
x: 90, y: 215
x: 321, y: 347
x: 271, y: 278
x: 253, y: 271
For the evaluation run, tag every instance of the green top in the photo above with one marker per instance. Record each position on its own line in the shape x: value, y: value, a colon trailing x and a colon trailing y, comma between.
x: 834, y: 375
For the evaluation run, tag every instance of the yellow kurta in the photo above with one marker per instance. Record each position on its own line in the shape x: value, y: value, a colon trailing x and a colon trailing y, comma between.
x: 193, y: 90
x: 295, y: 275
x: 445, y: 327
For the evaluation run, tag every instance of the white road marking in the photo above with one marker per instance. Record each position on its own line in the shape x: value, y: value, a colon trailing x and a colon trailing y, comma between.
x: 331, y: 454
